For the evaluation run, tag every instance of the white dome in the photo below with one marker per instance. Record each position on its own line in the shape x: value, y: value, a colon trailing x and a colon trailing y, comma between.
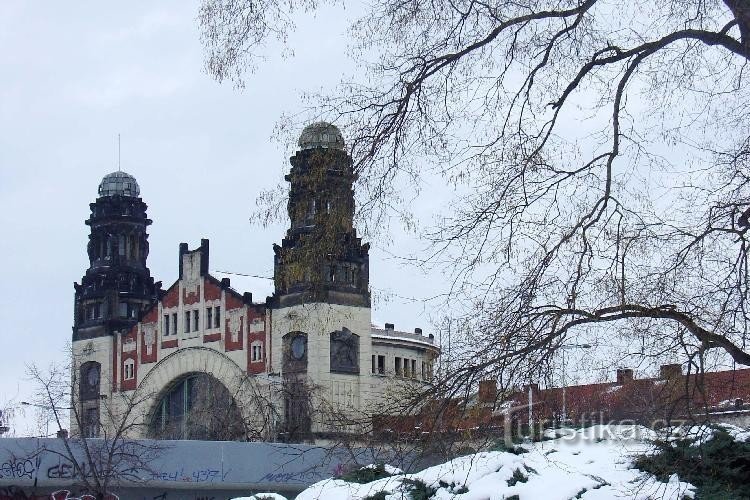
x: 321, y: 135
x: 119, y: 183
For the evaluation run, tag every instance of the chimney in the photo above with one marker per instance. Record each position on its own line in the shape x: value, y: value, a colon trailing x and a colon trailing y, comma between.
x: 225, y: 283
x: 247, y: 298
x: 418, y: 331
x: 487, y: 391
x: 389, y: 326
x: 183, y: 251
x: 204, y: 256
x: 624, y: 375
x: 670, y: 371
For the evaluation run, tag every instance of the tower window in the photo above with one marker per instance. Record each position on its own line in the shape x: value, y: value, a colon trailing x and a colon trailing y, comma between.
x: 174, y: 323
x: 166, y: 324
x: 217, y: 317
x: 187, y: 322
x: 94, y: 311
x: 196, y: 322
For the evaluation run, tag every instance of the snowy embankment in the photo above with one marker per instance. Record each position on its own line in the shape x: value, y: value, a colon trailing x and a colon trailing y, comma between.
x: 591, y: 463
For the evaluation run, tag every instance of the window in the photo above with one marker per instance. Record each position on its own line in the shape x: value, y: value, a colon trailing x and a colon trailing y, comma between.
x: 123, y: 310
x: 209, y: 318
x: 91, y: 422
x: 413, y: 368
x: 174, y: 323
x: 217, y: 317
x: 129, y: 369
x: 196, y: 322
x: 121, y: 245
x: 378, y: 364
x: 406, y: 368
x: 94, y: 311
x: 197, y: 407
x: 186, y: 329
x: 256, y: 352
x: 166, y: 325
x: 397, y: 366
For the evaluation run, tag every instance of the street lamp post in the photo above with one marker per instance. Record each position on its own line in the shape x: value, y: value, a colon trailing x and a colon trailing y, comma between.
x: 563, y: 348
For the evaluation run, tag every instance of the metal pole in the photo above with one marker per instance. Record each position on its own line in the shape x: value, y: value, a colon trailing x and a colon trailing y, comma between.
x: 564, y: 412
x: 531, y: 402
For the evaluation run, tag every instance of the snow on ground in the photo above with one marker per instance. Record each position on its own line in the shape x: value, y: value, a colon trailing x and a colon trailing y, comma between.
x: 263, y: 496
x: 592, y: 464
x: 699, y: 434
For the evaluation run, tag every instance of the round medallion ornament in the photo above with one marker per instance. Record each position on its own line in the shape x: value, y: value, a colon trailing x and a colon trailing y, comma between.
x: 298, y: 348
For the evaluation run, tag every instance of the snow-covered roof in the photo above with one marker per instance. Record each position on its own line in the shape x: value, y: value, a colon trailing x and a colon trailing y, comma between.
x: 393, y: 335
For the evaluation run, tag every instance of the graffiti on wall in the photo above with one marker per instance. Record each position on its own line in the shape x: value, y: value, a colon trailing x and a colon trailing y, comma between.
x: 208, y: 475
x: 17, y: 493
x: 19, y: 468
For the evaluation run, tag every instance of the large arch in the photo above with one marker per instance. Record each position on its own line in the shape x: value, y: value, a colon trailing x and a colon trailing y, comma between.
x: 197, y: 406
x: 187, y: 363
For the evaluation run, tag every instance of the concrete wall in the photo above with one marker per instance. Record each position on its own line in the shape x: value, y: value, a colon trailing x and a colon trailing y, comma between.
x: 31, y: 467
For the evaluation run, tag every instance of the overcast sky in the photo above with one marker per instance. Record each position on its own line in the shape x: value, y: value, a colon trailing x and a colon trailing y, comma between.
x: 76, y: 74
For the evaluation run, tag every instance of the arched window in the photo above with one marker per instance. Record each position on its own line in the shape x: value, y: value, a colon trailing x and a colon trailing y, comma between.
x: 197, y: 407
x: 344, y: 351
x: 89, y: 381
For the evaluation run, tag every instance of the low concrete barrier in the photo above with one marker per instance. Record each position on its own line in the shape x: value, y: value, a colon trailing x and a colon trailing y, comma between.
x: 38, y: 468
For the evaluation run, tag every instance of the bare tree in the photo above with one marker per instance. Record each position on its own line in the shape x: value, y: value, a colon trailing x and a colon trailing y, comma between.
x: 96, y: 456
x: 599, y: 150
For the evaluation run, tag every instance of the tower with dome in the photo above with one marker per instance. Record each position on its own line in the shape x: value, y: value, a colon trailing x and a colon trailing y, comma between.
x: 209, y: 362
x: 117, y: 286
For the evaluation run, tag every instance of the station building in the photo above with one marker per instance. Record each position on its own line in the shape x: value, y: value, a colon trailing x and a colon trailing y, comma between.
x: 200, y: 359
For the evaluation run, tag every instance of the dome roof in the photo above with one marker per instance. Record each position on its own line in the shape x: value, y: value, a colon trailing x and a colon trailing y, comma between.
x: 321, y: 135
x: 119, y: 183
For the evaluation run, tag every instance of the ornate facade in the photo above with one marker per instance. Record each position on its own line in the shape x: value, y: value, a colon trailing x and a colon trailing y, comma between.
x: 209, y: 362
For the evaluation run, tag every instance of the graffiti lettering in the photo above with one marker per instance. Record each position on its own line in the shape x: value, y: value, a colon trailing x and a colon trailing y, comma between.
x: 19, y: 468
x: 66, y: 495
x: 16, y: 493
x: 291, y: 477
x: 196, y: 476
x: 68, y: 471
